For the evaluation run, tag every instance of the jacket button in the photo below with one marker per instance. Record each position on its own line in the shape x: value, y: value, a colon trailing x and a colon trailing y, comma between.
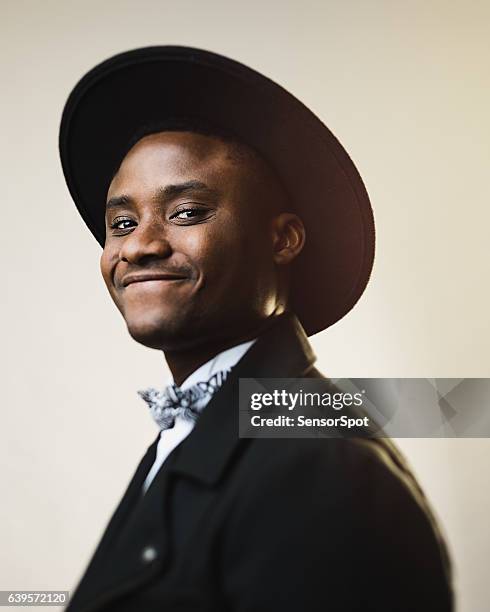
x: 149, y: 554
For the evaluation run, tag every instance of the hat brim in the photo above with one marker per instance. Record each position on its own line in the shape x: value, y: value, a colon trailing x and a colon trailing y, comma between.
x: 111, y: 102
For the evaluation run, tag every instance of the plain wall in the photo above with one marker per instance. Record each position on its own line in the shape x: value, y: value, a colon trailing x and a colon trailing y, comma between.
x: 404, y: 86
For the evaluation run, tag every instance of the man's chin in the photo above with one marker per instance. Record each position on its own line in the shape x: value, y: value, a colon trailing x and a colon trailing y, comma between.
x: 169, y: 333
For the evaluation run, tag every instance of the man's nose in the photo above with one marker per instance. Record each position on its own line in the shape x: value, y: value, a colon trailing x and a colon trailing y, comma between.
x: 146, y: 240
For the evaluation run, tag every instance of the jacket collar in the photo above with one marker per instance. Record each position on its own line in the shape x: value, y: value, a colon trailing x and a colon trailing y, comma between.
x: 281, y: 351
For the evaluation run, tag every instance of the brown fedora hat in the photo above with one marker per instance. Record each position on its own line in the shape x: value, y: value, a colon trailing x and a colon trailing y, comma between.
x: 107, y: 107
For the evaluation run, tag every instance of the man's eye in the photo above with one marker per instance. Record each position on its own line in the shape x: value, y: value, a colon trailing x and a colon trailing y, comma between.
x: 121, y: 223
x: 186, y: 214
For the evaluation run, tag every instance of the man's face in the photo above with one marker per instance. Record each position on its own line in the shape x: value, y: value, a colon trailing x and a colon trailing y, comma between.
x: 189, y: 243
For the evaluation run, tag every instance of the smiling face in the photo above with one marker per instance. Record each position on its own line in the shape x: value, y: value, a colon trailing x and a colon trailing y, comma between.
x: 195, y: 240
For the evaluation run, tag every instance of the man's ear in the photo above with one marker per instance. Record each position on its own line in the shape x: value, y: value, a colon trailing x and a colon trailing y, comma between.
x: 289, y: 236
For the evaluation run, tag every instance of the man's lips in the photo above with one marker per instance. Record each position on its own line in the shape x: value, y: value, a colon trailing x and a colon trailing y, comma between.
x: 130, y: 279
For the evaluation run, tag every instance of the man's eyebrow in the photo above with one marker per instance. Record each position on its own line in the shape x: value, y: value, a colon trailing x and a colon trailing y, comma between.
x: 118, y: 201
x: 172, y: 191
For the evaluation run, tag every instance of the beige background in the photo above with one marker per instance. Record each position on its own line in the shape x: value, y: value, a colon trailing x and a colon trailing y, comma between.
x: 404, y: 86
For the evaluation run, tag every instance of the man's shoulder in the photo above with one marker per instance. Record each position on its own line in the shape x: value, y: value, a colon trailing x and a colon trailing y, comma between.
x: 365, y: 484
x: 341, y: 473
x: 335, y: 458
x: 338, y: 456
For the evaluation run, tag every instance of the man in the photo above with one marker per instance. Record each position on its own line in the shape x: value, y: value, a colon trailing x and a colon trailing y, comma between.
x: 233, y: 225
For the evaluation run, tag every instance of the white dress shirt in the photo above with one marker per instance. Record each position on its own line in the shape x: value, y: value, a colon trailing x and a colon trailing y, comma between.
x: 170, y: 438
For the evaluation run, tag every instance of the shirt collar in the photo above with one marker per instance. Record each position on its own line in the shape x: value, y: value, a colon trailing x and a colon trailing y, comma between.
x: 222, y: 361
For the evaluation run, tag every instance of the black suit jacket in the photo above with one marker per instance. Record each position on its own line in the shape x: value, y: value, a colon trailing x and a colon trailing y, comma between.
x: 260, y: 525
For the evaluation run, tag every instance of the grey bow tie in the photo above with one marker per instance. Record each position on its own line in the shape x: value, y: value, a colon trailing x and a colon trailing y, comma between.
x: 172, y: 402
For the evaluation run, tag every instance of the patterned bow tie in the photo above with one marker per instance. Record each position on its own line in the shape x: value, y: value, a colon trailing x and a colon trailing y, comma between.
x: 172, y: 402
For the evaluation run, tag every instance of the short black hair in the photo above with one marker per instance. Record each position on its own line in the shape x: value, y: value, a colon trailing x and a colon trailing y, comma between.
x: 195, y: 125
x: 183, y: 124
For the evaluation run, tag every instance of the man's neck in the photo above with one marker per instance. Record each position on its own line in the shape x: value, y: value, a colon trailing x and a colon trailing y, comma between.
x: 183, y: 363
